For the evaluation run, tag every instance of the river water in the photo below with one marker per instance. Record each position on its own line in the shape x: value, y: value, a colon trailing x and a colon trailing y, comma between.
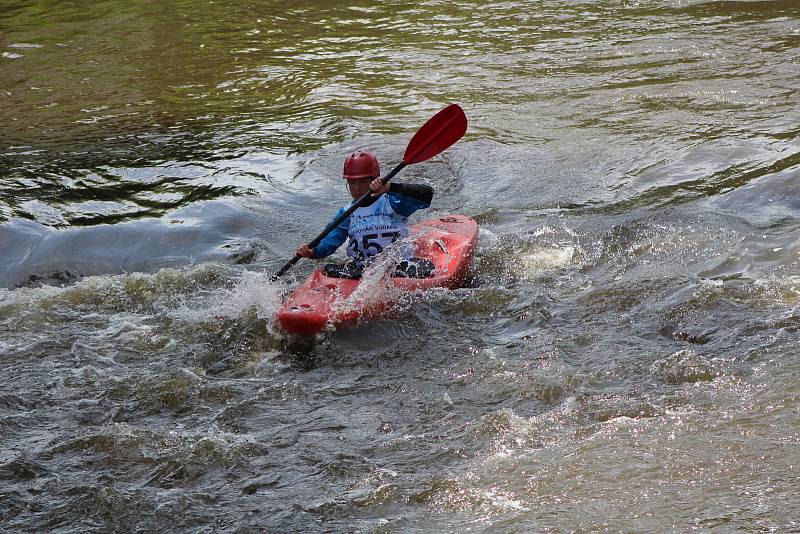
x: 623, y: 358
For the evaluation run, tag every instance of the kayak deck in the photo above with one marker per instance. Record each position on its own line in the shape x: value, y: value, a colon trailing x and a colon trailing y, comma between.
x: 449, y: 242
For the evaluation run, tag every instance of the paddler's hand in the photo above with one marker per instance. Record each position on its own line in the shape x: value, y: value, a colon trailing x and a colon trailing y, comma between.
x: 304, y: 252
x: 378, y: 187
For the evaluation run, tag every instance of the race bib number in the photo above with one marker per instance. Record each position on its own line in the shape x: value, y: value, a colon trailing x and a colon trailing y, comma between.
x: 371, y: 244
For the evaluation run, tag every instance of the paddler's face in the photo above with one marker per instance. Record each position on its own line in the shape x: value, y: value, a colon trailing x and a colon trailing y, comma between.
x: 359, y: 186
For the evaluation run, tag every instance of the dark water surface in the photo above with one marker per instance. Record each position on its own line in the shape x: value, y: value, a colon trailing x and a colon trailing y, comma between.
x: 624, y: 358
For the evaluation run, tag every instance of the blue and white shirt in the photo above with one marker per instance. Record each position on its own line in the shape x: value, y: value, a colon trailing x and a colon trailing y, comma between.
x: 374, y: 227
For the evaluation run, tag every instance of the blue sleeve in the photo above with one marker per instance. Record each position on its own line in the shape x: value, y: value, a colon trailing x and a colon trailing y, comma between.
x: 406, y: 205
x: 334, y: 239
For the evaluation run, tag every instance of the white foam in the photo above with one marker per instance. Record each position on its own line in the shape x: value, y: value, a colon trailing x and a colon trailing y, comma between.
x: 254, y: 290
x: 544, y: 259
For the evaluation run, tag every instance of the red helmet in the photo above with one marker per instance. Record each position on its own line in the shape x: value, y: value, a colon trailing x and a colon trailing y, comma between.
x: 361, y: 164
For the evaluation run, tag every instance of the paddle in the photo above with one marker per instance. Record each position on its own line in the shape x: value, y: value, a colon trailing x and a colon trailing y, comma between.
x: 435, y: 136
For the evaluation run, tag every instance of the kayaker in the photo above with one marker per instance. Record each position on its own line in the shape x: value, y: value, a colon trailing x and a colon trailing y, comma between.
x: 376, y: 225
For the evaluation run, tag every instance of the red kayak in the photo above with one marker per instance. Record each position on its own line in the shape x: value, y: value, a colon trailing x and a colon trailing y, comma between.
x: 449, y: 242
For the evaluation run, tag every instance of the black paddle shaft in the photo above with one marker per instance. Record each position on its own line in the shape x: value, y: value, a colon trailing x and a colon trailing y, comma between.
x: 328, y: 229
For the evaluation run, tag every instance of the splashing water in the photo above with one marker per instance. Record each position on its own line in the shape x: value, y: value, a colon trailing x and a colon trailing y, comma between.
x: 375, y: 286
x: 552, y: 246
x: 252, y: 291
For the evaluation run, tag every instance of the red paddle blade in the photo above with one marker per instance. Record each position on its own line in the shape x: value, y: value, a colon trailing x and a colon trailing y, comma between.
x: 436, y: 135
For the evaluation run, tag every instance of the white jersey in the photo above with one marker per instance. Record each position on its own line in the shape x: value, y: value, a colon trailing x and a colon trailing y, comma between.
x: 375, y: 227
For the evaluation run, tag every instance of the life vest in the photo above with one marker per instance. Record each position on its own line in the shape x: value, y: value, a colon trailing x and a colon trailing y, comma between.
x: 373, y: 228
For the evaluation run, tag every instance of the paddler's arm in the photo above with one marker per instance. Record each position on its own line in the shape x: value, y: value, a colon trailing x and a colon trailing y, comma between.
x: 408, y: 198
x: 330, y: 242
